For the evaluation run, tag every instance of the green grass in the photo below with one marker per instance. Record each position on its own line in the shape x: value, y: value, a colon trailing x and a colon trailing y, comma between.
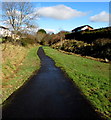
x: 0, y: 39
x: 30, y: 64
x: 92, y: 77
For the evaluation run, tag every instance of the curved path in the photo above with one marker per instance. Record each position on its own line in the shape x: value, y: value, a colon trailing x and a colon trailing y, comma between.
x: 49, y: 94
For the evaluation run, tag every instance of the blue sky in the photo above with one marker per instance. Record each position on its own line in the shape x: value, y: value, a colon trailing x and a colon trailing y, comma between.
x: 56, y: 16
x: 50, y: 22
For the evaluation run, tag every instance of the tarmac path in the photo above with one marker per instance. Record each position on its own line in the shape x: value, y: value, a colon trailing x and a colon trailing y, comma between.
x: 48, y: 94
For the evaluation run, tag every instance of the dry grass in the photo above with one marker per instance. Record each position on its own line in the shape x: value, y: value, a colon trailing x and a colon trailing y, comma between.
x: 12, y: 58
x: 17, y: 66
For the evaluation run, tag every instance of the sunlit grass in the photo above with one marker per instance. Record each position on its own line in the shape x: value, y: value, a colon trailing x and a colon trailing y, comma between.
x: 92, y: 77
x: 14, y: 75
x: 0, y: 39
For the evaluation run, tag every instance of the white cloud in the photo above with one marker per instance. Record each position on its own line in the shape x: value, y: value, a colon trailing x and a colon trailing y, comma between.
x: 101, y: 17
x: 60, y: 12
x: 50, y: 30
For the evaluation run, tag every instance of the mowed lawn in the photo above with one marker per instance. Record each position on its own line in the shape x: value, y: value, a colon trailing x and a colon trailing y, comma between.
x: 92, y: 77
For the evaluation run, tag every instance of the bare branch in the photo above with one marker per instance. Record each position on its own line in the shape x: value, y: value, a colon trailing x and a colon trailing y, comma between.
x: 18, y: 14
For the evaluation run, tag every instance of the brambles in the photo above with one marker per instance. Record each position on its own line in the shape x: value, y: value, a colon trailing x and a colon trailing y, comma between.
x: 90, y: 36
x: 99, y: 49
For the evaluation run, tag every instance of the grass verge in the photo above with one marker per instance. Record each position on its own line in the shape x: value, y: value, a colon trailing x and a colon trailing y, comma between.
x: 0, y: 39
x: 29, y: 64
x: 92, y: 77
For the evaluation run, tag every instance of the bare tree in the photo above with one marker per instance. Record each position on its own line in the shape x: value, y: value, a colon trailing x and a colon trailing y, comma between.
x: 18, y: 15
x: 61, y: 36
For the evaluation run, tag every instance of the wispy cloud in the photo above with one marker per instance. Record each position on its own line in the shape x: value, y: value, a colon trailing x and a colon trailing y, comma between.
x: 101, y: 17
x: 60, y: 12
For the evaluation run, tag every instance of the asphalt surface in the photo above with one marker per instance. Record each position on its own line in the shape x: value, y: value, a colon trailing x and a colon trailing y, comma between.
x: 48, y: 94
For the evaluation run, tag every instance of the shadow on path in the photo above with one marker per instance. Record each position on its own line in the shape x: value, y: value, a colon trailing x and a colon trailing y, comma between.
x: 49, y: 94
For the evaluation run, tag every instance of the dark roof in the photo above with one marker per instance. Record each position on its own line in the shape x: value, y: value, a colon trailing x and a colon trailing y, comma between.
x: 78, y: 28
x: 3, y: 27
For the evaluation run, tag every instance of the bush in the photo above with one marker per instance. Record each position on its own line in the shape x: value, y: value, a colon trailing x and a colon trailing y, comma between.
x: 28, y: 39
x: 6, y: 39
x: 99, y: 49
x: 23, y: 42
x: 90, y: 36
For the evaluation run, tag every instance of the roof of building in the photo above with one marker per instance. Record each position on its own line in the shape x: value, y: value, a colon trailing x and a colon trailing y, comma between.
x: 78, y: 28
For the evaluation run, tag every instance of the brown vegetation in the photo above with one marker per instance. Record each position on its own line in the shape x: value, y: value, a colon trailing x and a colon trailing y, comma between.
x: 100, y: 49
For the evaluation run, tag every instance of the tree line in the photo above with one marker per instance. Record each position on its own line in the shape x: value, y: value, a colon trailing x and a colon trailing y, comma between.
x: 21, y: 18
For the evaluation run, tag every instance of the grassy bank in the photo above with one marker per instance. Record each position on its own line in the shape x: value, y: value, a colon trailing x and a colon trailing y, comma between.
x: 18, y: 65
x: 92, y: 77
x: 0, y: 39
